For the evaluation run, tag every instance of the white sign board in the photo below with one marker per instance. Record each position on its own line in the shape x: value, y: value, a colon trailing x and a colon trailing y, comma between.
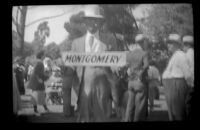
x: 94, y: 59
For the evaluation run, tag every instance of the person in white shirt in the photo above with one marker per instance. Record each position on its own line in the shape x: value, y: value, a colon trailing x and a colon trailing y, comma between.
x: 175, y: 79
x: 188, y: 42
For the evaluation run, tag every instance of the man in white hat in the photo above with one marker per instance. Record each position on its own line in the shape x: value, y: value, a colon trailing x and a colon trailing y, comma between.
x: 175, y: 79
x: 188, y: 42
x: 93, y: 41
x: 137, y: 86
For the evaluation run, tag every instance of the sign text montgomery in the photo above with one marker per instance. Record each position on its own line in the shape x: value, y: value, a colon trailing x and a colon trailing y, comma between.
x: 94, y: 59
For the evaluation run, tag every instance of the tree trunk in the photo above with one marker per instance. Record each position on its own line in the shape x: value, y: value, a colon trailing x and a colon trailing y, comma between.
x: 22, y: 21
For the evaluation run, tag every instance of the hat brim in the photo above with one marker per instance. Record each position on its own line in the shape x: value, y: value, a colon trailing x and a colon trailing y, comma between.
x: 173, y: 42
x: 93, y: 17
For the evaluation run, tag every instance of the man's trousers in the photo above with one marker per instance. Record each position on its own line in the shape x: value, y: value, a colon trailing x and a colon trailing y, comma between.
x: 176, y: 92
x: 137, y: 101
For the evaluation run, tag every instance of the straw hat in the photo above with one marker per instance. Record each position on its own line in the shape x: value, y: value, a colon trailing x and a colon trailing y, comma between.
x: 188, y: 39
x: 174, y: 39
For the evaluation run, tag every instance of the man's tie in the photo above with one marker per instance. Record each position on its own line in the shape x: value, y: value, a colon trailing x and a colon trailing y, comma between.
x: 91, y: 41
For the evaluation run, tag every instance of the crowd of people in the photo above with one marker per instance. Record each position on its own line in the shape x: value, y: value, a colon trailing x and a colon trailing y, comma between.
x: 95, y: 87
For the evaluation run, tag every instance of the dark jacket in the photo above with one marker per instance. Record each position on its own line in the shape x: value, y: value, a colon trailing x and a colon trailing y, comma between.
x: 38, y: 73
x: 20, y: 79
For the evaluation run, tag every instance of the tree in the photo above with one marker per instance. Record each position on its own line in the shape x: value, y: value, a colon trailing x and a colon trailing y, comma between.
x: 40, y: 35
x: 164, y: 19
x: 65, y: 45
x: 75, y: 27
x: 120, y: 20
x: 19, y: 22
x: 28, y: 49
x: 52, y: 50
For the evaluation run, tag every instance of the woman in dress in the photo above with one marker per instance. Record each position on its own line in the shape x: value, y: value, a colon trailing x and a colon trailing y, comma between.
x: 37, y: 83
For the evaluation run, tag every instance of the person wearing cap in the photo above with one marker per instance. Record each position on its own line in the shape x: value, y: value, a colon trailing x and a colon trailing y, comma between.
x: 93, y: 41
x: 175, y: 79
x: 137, y: 106
x: 188, y: 49
x: 188, y: 42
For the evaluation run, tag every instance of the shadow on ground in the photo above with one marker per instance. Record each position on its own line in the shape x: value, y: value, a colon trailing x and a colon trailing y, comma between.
x: 47, y: 118
x: 158, y: 116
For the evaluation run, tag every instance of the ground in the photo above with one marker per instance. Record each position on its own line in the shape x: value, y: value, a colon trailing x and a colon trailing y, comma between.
x: 56, y: 116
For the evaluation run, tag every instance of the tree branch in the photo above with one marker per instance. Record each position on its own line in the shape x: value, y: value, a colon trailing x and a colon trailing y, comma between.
x: 133, y: 16
x: 45, y: 18
x: 18, y: 25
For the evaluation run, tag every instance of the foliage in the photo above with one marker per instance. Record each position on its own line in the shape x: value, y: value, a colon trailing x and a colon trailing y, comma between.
x: 119, y: 20
x: 40, y: 35
x: 52, y: 50
x: 16, y: 46
x: 164, y: 19
x: 75, y: 27
x: 65, y: 45
x: 169, y: 18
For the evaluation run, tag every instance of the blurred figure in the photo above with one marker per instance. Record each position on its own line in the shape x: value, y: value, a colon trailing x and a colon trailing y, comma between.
x: 68, y: 81
x: 137, y: 106
x: 188, y: 42
x: 20, y: 75
x: 30, y: 71
x: 154, y: 82
x: 16, y: 97
x: 175, y: 79
x: 37, y: 85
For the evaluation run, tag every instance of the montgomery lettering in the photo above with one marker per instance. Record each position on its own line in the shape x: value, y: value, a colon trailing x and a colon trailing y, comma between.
x: 92, y: 59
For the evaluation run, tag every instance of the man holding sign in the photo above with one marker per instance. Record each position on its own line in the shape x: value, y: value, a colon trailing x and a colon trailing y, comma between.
x: 95, y: 83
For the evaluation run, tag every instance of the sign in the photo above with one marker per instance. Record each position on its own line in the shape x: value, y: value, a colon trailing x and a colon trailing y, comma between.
x: 94, y: 59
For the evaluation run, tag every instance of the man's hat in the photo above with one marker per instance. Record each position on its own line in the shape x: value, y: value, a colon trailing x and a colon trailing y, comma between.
x: 139, y: 38
x: 188, y: 39
x: 174, y: 39
x: 93, y: 11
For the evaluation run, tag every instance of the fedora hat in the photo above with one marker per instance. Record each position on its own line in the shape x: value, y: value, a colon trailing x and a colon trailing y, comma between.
x: 93, y: 11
